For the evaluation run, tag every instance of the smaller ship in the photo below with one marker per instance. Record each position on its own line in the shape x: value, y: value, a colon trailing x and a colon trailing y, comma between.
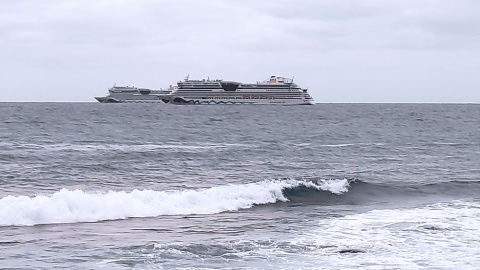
x: 131, y: 94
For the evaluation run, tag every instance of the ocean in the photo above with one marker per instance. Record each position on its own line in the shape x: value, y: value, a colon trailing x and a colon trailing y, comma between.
x: 155, y: 186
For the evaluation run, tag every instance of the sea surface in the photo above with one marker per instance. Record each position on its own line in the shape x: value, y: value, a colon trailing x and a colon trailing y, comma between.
x: 155, y: 186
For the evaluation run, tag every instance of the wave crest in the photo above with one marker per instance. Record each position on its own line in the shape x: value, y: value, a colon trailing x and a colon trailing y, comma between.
x: 70, y: 206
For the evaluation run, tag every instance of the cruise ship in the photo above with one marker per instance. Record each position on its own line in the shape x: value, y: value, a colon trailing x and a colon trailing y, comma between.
x: 275, y: 90
x: 131, y: 94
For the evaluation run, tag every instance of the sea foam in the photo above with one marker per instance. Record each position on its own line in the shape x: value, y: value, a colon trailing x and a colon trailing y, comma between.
x: 437, y: 236
x: 70, y: 206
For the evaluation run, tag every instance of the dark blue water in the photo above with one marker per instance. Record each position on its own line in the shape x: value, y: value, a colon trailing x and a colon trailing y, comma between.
x: 152, y: 186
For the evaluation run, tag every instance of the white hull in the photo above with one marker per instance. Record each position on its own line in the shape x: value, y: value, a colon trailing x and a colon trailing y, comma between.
x: 114, y: 100
x: 141, y: 101
x: 226, y: 101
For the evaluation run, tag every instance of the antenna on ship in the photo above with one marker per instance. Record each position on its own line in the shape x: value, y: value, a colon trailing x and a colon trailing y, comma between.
x: 290, y: 83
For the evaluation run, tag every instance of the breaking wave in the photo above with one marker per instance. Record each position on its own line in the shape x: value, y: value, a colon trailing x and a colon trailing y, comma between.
x: 360, y: 192
x: 70, y: 206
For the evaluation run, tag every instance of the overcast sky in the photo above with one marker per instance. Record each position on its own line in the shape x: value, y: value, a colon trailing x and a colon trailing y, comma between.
x: 341, y: 50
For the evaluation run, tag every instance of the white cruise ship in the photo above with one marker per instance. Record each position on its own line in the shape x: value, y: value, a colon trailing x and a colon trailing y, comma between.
x: 276, y: 90
x: 131, y: 94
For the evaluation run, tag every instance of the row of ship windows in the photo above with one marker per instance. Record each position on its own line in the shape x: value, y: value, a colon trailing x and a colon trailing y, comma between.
x: 239, y: 90
x: 124, y: 91
x: 248, y: 97
x: 281, y: 87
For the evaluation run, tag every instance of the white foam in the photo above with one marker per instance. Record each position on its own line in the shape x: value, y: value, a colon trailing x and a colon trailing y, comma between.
x: 337, y: 145
x: 334, y: 185
x: 69, y: 206
x: 193, y: 147
x: 439, y: 236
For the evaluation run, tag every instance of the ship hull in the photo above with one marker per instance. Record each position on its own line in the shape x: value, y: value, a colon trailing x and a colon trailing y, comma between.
x: 114, y: 100
x: 226, y: 101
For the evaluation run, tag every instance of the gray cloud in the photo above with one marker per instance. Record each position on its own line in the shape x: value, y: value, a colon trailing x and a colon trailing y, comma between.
x: 344, y: 51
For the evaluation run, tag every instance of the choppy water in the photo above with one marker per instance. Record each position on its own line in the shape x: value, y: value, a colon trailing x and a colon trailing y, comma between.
x: 331, y: 186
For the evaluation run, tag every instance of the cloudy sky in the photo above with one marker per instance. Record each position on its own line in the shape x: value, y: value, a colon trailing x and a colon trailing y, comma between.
x: 341, y: 50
